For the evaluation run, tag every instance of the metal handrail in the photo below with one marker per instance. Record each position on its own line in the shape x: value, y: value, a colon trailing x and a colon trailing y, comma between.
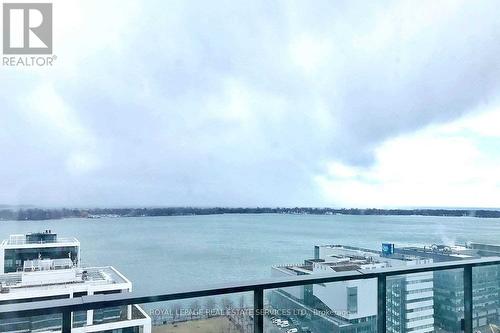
x: 67, y: 306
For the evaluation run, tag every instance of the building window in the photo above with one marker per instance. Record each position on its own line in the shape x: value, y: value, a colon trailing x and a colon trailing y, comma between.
x: 9, y: 263
x: 352, y: 299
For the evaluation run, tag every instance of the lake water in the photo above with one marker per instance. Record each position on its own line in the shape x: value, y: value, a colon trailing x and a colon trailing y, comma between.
x: 161, y: 253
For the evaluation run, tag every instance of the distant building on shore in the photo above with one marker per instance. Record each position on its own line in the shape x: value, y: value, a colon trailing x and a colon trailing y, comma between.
x: 41, y: 266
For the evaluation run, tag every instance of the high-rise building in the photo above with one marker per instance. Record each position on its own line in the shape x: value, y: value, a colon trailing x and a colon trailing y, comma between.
x: 448, y: 285
x: 42, y: 277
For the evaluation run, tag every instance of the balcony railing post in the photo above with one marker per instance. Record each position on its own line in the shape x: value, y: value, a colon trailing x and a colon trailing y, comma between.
x: 66, y: 322
x: 258, y: 310
x: 381, y: 303
x: 468, y: 299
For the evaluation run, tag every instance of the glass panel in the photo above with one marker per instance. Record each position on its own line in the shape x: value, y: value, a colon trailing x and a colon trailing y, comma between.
x: 45, y: 323
x: 79, y: 318
x: 410, y: 303
x: 229, y: 313
x: 425, y: 302
x: 449, y: 300
x: 352, y: 299
x: 349, y: 306
x: 486, y: 298
x: 111, y: 314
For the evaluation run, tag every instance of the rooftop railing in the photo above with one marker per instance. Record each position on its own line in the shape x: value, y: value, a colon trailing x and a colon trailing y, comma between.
x: 23, y: 241
x: 67, y: 306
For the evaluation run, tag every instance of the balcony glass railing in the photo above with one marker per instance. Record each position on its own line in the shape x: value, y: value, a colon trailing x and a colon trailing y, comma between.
x: 416, y: 298
x: 225, y: 313
x: 486, y: 298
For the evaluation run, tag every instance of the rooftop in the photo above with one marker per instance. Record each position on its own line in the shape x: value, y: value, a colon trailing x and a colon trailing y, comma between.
x: 342, y: 258
x: 296, y: 269
x: 45, y: 237
x: 348, y: 247
x: 440, y: 252
x: 75, y: 278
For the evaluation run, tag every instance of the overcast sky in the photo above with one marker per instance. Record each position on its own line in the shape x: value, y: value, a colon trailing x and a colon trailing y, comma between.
x: 246, y: 103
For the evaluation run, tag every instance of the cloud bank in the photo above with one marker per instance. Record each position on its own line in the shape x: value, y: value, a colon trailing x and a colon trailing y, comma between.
x: 243, y: 104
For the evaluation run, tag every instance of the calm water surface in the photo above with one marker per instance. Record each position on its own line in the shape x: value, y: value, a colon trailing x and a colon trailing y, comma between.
x: 160, y: 253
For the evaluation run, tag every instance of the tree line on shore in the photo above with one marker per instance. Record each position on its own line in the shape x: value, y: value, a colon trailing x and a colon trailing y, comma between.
x: 48, y: 213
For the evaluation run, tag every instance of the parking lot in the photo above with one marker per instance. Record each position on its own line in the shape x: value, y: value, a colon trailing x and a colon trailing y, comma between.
x: 277, y: 324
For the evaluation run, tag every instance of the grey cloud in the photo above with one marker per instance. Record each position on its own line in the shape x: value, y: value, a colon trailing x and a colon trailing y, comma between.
x: 159, y: 105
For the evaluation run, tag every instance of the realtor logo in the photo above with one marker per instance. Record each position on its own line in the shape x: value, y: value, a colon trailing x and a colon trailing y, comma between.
x: 27, y: 28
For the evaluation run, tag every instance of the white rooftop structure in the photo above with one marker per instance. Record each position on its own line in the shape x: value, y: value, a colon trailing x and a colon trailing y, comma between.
x: 42, y: 278
x: 48, y: 277
x: 16, y: 240
x: 18, y: 248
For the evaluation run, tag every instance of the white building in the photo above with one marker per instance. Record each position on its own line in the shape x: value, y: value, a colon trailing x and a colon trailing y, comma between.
x: 46, y: 279
x: 353, y: 304
x: 41, y: 245
x: 410, y: 303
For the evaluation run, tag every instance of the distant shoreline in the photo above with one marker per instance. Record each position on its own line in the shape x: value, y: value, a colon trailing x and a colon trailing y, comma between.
x: 37, y: 214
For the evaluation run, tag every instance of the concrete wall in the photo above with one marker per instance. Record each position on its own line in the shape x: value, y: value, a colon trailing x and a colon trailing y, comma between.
x: 334, y: 295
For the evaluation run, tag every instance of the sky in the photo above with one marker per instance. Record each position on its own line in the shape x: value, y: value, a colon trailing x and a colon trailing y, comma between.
x: 258, y: 103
